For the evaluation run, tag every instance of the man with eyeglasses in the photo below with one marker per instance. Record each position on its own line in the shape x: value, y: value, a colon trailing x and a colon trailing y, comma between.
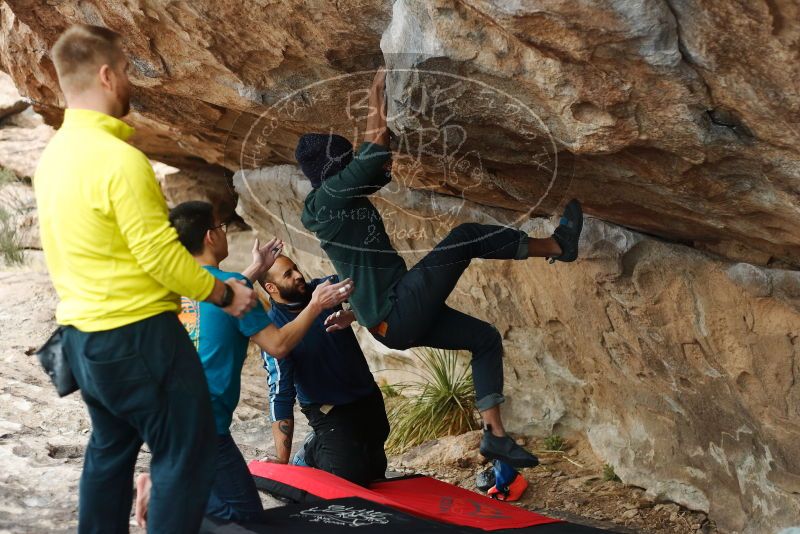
x: 222, y: 343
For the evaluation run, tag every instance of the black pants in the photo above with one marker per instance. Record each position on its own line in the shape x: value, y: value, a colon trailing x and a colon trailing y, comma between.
x: 143, y: 382
x: 234, y: 496
x: 420, y: 318
x: 348, y: 440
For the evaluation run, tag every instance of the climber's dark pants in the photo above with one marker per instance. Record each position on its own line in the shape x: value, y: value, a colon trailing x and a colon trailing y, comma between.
x: 419, y: 316
x: 348, y: 440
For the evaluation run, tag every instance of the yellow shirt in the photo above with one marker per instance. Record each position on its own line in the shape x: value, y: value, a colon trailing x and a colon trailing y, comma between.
x: 111, y: 252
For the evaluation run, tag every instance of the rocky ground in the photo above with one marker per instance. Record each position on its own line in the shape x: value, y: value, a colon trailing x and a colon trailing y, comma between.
x: 42, y: 439
x: 568, y: 484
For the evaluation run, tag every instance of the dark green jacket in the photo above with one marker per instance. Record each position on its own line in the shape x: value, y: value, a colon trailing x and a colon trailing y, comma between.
x: 351, y: 232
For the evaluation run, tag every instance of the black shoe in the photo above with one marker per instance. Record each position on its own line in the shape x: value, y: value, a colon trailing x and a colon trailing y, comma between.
x: 506, y: 450
x: 568, y: 232
x: 485, y: 480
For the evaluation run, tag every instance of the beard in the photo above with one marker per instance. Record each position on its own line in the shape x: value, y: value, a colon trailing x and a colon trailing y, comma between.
x: 296, y: 293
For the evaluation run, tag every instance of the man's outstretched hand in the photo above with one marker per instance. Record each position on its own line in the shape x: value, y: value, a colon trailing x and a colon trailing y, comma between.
x: 377, y: 131
x: 267, y: 253
x: 263, y: 258
x: 339, y: 320
x: 327, y: 295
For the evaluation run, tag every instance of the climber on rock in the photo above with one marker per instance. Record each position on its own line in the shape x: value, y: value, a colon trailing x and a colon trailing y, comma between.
x: 402, y: 308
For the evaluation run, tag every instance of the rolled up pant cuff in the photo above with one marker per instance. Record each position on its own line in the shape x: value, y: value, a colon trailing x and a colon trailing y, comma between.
x: 489, y: 401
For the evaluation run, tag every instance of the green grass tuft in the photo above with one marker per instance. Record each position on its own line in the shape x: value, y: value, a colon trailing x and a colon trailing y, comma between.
x: 608, y: 473
x: 10, y: 241
x: 441, y: 403
x: 389, y: 391
x: 7, y: 176
x: 554, y: 442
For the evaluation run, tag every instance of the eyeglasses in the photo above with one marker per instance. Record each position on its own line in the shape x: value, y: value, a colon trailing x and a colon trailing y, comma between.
x: 223, y: 226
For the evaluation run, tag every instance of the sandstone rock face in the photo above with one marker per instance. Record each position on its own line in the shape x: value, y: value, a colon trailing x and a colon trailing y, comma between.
x: 675, y: 367
x: 23, y: 133
x: 23, y: 136
x: 22, y: 139
x: 676, y: 360
x: 451, y: 450
x: 11, y: 102
x: 678, y: 118
x: 199, y: 182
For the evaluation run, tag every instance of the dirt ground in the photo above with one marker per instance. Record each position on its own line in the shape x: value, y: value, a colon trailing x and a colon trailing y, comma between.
x: 42, y: 439
x: 568, y: 484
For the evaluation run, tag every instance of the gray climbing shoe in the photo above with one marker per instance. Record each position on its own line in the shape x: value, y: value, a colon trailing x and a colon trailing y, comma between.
x: 300, y: 456
x: 506, y: 450
x: 568, y: 232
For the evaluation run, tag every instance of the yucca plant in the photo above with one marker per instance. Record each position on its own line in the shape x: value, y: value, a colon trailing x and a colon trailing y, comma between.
x: 389, y: 391
x: 10, y: 241
x: 6, y: 176
x: 440, y: 403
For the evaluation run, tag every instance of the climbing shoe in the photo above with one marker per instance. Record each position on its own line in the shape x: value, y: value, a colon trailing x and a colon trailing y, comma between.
x: 300, y: 455
x: 506, y: 450
x: 485, y: 480
x: 510, y: 492
x: 568, y: 232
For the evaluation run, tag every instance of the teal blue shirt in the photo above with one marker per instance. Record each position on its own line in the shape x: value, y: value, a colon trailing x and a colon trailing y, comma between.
x: 221, y: 341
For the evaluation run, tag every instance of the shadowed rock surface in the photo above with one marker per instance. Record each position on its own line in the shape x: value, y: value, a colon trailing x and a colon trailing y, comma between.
x: 674, y: 119
x: 676, y: 367
x: 677, y: 118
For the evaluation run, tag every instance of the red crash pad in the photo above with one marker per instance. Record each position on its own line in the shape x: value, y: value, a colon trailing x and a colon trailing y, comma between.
x: 421, y: 496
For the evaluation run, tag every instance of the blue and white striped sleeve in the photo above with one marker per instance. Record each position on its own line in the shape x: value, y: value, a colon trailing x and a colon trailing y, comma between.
x: 280, y: 380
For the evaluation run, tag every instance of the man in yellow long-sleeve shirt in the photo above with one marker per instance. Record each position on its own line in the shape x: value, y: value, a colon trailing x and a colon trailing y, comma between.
x: 119, y: 271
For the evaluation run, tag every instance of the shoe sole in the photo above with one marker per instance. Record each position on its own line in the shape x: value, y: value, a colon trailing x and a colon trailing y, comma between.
x: 517, y: 464
x: 574, y: 255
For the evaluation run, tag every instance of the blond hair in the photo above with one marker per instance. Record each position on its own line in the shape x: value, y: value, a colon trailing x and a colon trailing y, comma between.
x: 80, y: 52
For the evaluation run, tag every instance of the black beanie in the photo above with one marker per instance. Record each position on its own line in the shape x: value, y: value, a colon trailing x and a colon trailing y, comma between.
x: 322, y: 155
